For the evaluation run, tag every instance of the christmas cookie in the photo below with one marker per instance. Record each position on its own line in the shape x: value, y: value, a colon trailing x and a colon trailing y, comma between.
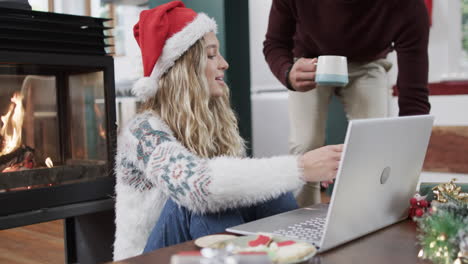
x: 290, y: 251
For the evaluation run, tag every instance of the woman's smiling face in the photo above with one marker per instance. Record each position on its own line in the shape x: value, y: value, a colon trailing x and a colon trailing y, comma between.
x: 215, y: 65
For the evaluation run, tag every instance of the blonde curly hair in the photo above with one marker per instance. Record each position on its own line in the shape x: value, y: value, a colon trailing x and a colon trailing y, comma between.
x: 205, y: 125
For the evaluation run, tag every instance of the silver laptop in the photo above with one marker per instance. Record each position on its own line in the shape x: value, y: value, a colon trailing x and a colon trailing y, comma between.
x: 377, y: 176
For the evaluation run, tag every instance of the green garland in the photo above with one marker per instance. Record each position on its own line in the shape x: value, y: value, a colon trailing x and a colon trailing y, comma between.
x: 444, y: 232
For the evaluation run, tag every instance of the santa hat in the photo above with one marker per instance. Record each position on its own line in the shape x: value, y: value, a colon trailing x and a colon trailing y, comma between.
x: 164, y: 33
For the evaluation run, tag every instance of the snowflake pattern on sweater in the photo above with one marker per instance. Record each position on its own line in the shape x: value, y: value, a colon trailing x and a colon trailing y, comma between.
x: 134, y: 177
x: 183, y: 174
x: 148, y: 139
x: 172, y: 165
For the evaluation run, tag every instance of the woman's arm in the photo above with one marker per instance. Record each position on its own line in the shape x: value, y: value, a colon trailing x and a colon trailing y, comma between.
x: 150, y: 159
x: 210, y: 185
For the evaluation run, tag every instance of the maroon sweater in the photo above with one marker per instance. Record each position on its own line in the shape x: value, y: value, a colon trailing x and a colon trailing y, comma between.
x: 361, y: 30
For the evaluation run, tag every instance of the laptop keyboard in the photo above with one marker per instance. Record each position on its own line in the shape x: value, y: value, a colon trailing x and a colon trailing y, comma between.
x: 310, y: 230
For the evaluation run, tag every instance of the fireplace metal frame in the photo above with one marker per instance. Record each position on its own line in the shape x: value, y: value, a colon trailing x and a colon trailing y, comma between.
x: 61, y: 201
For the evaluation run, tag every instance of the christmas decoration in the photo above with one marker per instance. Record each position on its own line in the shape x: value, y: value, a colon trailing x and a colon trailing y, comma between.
x: 418, y: 206
x: 443, y: 231
x: 449, y: 189
x: 462, y: 256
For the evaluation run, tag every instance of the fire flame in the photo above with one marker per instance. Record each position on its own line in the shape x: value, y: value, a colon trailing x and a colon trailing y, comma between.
x: 12, y: 123
x: 102, y: 131
x: 49, y: 163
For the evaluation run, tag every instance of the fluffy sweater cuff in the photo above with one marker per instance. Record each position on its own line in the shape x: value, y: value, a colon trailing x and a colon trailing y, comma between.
x: 244, y: 182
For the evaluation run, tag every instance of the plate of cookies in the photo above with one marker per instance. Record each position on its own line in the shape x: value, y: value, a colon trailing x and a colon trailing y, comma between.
x: 279, y: 249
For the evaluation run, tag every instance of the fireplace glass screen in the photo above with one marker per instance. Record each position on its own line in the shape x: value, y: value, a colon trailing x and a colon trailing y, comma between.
x: 53, y: 126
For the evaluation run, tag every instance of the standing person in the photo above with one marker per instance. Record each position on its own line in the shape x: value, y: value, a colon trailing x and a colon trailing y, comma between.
x: 364, y: 31
x: 180, y: 166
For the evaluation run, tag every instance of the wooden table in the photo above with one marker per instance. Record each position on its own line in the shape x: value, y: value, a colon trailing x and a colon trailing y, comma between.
x: 394, y: 244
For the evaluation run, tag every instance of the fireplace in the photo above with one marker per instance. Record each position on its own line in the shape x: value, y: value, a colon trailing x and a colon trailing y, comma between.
x: 57, y: 108
x: 37, y: 148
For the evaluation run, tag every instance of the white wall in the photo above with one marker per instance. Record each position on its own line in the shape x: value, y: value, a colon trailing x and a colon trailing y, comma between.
x: 261, y: 77
x: 270, y: 124
x: 69, y: 7
x: 128, y: 66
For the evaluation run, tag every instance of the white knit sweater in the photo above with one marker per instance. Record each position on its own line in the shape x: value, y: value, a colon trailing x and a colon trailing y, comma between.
x: 151, y: 166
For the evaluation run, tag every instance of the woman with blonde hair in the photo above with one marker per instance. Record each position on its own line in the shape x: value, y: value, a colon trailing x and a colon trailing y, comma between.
x: 180, y: 165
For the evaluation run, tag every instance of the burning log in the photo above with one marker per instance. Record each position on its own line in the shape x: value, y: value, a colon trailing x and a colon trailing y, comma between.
x: 20, y: 159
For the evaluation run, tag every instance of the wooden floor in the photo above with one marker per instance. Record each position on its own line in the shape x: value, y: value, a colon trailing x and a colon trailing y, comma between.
x: 33, y: 244
x: 40, y: 243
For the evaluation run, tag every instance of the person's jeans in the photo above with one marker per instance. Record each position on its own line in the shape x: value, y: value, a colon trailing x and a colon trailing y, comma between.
x: 177, y: 224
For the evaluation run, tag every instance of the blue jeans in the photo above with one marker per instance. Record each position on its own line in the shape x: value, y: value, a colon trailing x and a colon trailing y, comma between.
x: 177, y: 224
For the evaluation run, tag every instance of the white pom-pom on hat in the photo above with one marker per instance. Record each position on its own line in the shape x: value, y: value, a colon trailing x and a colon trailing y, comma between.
x: 145, y: 88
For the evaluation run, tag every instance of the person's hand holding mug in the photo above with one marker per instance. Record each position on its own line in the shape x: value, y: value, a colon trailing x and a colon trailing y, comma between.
x: 321, y: 164
x: 326, y: 70
x: 302, y: 74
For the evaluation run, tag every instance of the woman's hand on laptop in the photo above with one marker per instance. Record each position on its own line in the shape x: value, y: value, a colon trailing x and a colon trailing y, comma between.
x: 321, y: 164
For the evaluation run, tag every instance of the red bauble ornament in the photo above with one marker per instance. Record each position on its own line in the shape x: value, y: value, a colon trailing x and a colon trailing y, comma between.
x: 418, y: 206
x: 419, y: 212
x: 424, y: 203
